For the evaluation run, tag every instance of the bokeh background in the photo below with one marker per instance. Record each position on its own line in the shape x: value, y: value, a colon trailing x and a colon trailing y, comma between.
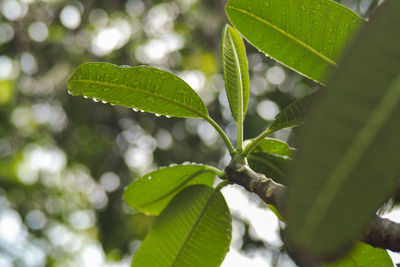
x: 64, y: 161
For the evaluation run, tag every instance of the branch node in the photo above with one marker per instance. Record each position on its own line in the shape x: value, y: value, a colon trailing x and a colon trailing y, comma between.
x: 381, y: 233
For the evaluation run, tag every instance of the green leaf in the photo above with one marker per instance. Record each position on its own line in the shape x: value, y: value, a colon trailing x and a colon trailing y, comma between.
x: 144, y: 88
x: 151, y: 193
x: 293, y: 115
x: 306, y: 36
x: 141, y: 224
x: 366, y: 256
x: 347, y: 163
x: 194, y: 230
x: 236, y: 73
x: 271, y: 157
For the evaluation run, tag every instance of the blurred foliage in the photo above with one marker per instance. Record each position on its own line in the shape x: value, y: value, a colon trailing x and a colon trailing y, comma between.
x: 64, y: 161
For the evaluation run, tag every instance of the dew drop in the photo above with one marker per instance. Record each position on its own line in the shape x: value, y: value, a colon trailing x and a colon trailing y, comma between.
x: 141, y: 110
x: 167, y: 116
x: 112, y: 104
x: 85, y: 96
x: 69, y: 92
x: 125, y: 66
x: 135, y: 109
x: 149, y: 177
x: 157, y: 115
x: 95, y: 100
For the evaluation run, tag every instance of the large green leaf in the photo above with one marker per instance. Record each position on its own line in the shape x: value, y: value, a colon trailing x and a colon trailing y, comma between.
x: 271, y: 158
x: 141, y: 224
x: 347, y: 164
x: 236, y: 72
x: 194, y: 230
x: 307, y: 36
x: 366, y: 256
x: 151, y: 193
x: 293, y: 115
x: 144, y: 88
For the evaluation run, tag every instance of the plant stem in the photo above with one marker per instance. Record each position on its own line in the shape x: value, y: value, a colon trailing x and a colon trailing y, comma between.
x: 221, y: 133
x: 239, y: 129
x: 371, y: 9
x: 216, y: 171
x: 222, y: 184
x: 381, y: 233
x: 253, y: 143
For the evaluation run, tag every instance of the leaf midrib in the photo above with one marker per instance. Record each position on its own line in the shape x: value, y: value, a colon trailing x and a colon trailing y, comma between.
x: 288, y: 35
x: 239, y: 98
x: 203, y: 212
x: 144, y: 93
x: 352, y: 156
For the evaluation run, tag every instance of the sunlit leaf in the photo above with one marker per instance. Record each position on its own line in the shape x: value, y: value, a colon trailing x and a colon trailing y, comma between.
x: 306, y: 36
x: 143, y: 88
x: 236, y: 72
x: 347, y: 164
x: 293, y: 115
x: 151, y: 193
x: 194, y: 230
x: 364, y: 255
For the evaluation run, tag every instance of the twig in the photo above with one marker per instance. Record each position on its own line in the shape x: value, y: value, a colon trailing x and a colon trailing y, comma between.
x: 381, y: 233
